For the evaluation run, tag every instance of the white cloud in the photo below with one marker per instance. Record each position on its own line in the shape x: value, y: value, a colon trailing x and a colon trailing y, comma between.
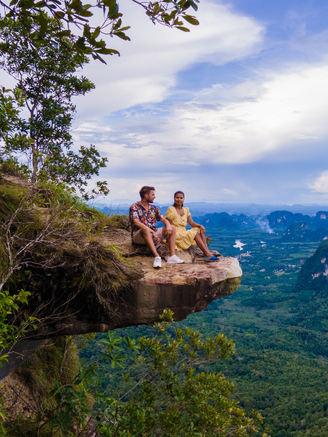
x: 235, y: 125
x: 146, y: 70
x: 320, y: 184
x: 223, y: 124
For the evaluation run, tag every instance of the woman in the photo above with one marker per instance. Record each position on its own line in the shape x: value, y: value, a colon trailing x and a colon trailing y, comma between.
x: 179, y: 216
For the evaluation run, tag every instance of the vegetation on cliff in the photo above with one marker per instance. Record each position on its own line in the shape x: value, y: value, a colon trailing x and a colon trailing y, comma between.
x: 51, y: 247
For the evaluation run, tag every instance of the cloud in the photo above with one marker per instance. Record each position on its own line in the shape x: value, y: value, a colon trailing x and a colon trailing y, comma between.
x: 147, y: 68
x: 245, y: 123
x: 229, y: 191
x: 320, y: 184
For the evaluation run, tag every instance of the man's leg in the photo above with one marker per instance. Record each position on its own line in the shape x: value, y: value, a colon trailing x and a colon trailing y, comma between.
x: 170, y: 239
x: 146, y: 235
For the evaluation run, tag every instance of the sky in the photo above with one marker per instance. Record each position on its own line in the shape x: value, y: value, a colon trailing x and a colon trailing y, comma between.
x: 234, y: 111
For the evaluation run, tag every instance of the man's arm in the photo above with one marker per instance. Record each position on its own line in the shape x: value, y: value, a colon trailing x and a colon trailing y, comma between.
x: 141, y: 225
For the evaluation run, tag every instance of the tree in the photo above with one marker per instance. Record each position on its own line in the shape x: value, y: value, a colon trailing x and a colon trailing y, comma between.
x: 75, y: 14
x: 168, y: 392
x: 46, y: 79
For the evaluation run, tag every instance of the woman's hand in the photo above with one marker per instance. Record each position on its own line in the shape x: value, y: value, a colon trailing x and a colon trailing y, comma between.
x: 202, y: 229
x: 169, y: 229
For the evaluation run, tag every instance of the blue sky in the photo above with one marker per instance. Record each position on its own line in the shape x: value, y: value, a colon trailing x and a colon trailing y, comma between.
x: 234, y: 111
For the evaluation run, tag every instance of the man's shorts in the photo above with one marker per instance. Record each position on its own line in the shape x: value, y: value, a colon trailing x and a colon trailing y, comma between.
x: 138, y: 239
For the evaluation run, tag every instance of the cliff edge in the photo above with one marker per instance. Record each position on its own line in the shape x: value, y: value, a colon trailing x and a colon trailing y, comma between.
x: 85, y: 275
x: 182, y: 288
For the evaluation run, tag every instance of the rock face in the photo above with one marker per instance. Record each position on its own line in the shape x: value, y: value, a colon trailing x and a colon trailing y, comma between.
x: 182, y: 288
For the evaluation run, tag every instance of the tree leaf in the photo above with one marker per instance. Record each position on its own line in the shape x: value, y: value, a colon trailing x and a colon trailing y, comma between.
x: 184, y: 29
x: 191, y: 20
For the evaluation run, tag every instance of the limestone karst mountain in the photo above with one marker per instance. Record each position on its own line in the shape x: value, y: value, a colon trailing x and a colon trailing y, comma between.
x: 314, y: 272
x: 300, y: 231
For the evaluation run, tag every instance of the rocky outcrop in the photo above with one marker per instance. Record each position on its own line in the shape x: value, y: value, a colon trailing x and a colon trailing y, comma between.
x: 182, y: 288
x: 90, y: 278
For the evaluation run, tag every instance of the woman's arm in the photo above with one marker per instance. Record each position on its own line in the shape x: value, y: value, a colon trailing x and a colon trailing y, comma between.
x: 195, y: 225
x: 167, y: 224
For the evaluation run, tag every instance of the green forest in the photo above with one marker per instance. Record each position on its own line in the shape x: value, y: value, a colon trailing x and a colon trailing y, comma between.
x: 279, y: 328
x: 259, y: 353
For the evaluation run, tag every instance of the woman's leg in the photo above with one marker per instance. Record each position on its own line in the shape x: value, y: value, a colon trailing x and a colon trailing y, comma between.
x: 202, y: 245
x: 170, y: 239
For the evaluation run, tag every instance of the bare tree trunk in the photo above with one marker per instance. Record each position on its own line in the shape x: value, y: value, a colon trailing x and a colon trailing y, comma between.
x: 34, y: 162
x: 33, y: 147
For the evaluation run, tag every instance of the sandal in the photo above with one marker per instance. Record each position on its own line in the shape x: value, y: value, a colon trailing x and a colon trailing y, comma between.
x: 213, y: 258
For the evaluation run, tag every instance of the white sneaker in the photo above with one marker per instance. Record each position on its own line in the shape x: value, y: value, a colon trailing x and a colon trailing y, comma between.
x: 157, y: 262
x: 174, y: 259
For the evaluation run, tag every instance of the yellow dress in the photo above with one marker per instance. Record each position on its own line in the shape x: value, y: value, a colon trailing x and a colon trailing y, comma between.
x: 185, y: 238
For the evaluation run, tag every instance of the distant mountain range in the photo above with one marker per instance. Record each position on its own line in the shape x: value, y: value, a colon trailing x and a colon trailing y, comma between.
x: 228, y: 221
x: 202, y: 208
x: 278, y: 219
x: 300, y: 227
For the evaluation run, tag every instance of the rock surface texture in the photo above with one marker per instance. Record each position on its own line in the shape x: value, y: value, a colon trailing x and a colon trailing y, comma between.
x: 182, y: 288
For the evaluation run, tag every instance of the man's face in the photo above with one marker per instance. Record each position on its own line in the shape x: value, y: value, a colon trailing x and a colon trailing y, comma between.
x: 150, y: 197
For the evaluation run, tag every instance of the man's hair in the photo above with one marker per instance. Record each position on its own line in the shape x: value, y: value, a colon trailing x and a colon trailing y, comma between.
x: 145, y: 190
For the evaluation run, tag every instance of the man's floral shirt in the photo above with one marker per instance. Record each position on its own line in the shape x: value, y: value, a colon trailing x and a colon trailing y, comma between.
x: 137, y: 211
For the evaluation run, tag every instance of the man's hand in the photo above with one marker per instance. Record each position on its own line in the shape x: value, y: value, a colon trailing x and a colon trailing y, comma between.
x: 156, y: 238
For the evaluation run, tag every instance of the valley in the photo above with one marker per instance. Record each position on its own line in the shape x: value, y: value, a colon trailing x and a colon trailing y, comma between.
x: 281, y: 364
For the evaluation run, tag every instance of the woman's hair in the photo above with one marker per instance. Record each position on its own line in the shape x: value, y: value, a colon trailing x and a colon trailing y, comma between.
x: 178, y: 192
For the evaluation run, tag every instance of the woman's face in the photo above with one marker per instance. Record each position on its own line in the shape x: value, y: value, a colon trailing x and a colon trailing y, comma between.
x: 178, y: 199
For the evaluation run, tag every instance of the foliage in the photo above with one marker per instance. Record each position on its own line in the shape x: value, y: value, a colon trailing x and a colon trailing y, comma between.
x: 74, y: 15
x: 173, y: 396
x: 11, y: 103
x: 46, y: 83
x: 55, y: 362
x: 10, y: 333
x: 47, y: 250
x: 167, y: 392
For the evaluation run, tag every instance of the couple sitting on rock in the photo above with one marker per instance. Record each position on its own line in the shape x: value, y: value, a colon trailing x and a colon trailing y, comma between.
x: 144, y: 215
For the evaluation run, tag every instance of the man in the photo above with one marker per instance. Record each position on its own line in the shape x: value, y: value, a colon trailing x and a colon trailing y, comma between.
x: 143, y: 216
